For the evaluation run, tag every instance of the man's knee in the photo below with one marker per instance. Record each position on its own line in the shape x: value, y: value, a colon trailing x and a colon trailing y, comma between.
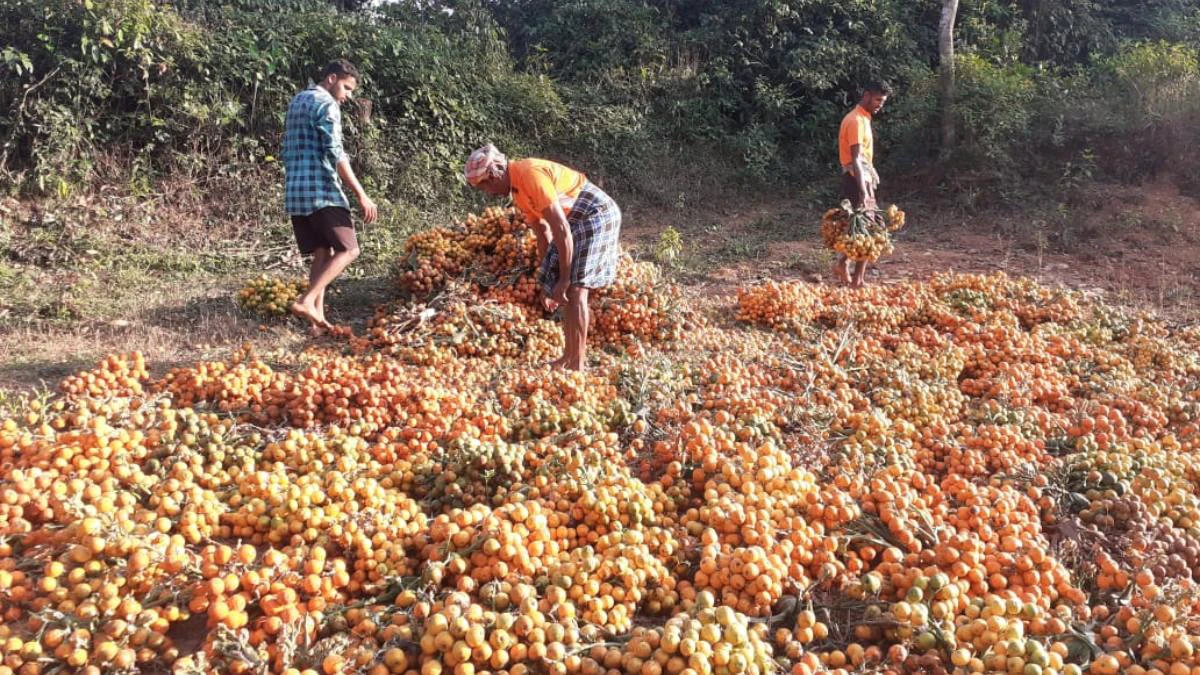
x: 351, y: 253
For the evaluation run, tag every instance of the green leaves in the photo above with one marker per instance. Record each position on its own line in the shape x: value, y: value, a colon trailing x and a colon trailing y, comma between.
x: 17, y: 61
x: 605, y: 83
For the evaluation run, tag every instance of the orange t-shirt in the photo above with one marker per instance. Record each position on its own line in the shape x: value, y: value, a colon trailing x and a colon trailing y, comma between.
x: 856, y: 130
x: 537, y: 183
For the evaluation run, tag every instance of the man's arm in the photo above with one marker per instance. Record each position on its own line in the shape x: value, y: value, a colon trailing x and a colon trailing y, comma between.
x: 370, y: 211
x: 862, y: 170
x: 542, y: 229
x: 560, y: 236
x: 328, y: 125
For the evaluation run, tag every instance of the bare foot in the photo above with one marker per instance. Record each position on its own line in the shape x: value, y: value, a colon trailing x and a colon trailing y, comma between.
x: 320, y: 315
x: 303, y: 311
x: 557, y: 364
x: 316, y: 329
x: 566, y: 364
x: 309, y: 313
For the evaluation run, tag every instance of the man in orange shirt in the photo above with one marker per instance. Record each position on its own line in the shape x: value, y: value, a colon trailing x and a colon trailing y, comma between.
x: 856, y: 152
x: 577, y: 227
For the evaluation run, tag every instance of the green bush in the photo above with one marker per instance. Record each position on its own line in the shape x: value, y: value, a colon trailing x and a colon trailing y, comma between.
x: 81, y: 76
x: 993, y: 105
x: 597, y: 39
x: 1151, y: 84
x: 203, y: 89
x: 994, y: 115
x: 1145, y: 108
x: 629, y: 90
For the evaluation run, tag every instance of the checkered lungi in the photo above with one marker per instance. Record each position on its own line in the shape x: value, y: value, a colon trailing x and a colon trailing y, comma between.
x: 595, y: 222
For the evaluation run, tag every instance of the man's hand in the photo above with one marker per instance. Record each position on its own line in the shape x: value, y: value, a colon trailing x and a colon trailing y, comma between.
x: 559, y: 233
x: 865, y: 173
x: 559, y: 293
x: 346, y: 173
x: 370, y: 211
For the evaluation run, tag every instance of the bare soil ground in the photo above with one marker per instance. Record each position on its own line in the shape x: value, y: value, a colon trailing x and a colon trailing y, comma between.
x: 1137, y: 245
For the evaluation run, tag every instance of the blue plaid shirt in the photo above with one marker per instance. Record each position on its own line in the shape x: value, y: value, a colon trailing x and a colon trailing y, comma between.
x: 312, y: 148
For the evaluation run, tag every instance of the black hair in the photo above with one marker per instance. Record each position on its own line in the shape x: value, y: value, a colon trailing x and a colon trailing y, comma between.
x: 877, y: 87
x: 341, y: 68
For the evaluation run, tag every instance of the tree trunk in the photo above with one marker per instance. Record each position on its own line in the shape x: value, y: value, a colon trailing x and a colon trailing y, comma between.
x: 946, y: 64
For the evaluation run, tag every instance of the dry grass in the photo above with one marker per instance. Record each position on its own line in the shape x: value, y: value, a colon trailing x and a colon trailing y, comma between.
x: 174, y: 325
x: 93, y: 276
x: 167, y: 327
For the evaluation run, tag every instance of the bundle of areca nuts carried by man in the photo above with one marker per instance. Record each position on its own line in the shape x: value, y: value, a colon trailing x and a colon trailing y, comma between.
x: 862, y: 234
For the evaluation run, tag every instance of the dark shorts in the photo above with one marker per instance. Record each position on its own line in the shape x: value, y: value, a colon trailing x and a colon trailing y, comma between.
x: 329, y: 227
x: 851, y: 190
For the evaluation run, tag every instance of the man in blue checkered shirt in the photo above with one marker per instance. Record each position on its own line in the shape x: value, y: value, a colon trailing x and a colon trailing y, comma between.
x: 315, y: 168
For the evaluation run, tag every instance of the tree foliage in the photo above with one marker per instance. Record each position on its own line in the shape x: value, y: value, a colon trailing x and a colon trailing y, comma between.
x: 199, y: 86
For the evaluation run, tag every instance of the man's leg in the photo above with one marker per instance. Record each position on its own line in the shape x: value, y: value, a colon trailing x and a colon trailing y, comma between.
x: 576, y: 317
x: 860, y: 273
x: 320, y: 263
x: 310, y: 242
x: 306, y: 306
x: 841, y: 269
x: 852, y: 192
x: 860, y: 266
x: 339, y: 248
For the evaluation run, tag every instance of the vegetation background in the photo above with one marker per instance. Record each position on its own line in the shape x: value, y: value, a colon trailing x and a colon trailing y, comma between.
x: 138, y: 138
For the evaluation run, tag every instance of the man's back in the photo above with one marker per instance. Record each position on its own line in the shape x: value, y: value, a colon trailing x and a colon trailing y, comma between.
x: 312, y: 148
